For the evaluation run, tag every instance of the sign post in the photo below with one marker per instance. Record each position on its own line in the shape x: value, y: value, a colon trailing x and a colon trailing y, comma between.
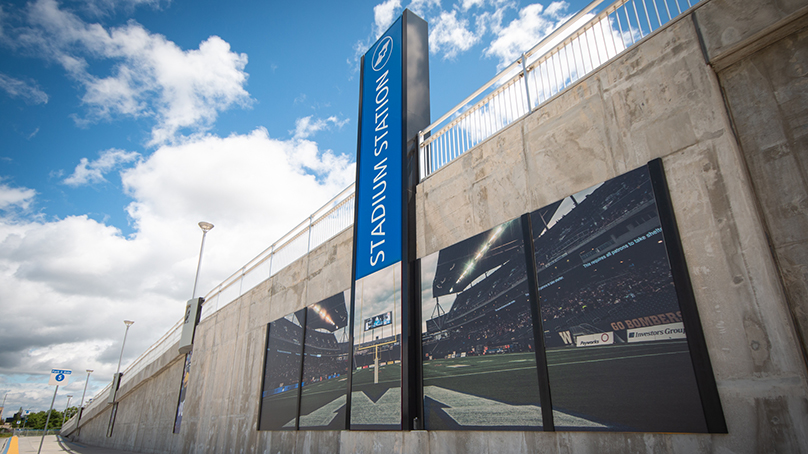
x: 57, y: 377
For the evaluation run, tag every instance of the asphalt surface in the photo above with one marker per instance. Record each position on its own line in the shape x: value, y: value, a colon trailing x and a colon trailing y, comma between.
x: 53, y: 444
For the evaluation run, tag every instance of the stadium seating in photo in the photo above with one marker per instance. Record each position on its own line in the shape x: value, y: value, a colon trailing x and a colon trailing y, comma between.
x: 388, y: 350
x: 610, y: 203
x: 635, y: 284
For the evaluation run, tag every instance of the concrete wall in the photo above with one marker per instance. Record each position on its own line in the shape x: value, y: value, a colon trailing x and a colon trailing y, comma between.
x: 767, y: 93
x: 663, y: 99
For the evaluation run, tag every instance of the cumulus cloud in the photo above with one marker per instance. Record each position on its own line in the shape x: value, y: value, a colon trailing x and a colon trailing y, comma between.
x: 90, y: 172
x: 307, y: 126
x: 451, y: 35
x: 384, y: 14
x: 528, y: 29
x: 74, y: 280
x: 181, y: 90
x: 15, y: 197
x: 16, y: 88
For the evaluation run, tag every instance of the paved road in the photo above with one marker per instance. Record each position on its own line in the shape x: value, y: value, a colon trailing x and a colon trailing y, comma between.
x: 55, y: 444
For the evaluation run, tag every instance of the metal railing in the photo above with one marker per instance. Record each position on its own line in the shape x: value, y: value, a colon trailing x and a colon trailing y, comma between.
x: 324, y: 224
x: 558, y: 61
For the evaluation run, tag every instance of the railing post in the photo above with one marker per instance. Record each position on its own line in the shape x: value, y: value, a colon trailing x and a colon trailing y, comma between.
x: 527, y: 86
x: 422, y: 156
x: 308, y: 247
x: 271, y: 256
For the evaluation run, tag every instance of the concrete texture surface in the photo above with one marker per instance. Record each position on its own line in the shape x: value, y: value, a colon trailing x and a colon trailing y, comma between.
x: 740, y: 197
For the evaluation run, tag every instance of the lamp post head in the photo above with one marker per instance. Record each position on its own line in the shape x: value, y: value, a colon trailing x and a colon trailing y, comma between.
x: 90, y: 371
x: 205, y: 226
x: 128, y: 322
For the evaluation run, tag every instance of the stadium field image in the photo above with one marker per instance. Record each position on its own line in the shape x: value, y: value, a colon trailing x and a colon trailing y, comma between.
x: 482, y: 392
x: 322, y: 404
x: 593, y: 388
x: 628, y: 387
x: 376, y: 406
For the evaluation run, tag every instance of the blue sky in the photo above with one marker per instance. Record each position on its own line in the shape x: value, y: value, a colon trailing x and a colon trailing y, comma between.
x: 125, y: 122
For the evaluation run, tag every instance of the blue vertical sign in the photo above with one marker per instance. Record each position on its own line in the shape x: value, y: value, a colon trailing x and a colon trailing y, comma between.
x: 379, y: 190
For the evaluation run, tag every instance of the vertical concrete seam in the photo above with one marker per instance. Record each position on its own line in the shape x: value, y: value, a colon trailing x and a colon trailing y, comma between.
x: 702, y: 44
x: 717, y: 81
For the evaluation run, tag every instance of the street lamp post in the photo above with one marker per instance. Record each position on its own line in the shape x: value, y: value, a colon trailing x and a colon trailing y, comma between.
x: 113, y: 394
x: 64, y: 415
x: 3, y: 407
x: 205, y: 226
x: 128, y: 323
x: 81, y: 406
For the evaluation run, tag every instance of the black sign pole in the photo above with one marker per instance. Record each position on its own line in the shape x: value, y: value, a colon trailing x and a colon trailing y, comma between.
x: 349, y: 381
x: 415, y: 117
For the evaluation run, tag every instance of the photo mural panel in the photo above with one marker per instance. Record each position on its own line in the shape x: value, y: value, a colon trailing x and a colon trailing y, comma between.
x: 376, y: 379
x: 326, y: 362
x: 617, y: 352
x: 186, y: 374
x: 282, y: 366
x: 479, y: 359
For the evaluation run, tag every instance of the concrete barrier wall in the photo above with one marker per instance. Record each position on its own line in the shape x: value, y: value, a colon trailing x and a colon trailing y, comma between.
x: 662, y: 99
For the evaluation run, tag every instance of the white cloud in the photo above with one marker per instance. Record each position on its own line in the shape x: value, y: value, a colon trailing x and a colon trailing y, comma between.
x: 16, y: 88
x: 524, y: 32
x: 384, y: 14
x: 451, y: 35
x: 67, y: 284
x: 15, y: 197
x: 150, y: 77
x: 307, y: 126
x: 90, y: 172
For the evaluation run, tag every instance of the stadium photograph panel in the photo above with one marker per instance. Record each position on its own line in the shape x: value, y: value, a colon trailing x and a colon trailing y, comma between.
x: 479, y: 360
x: 282, y: 367
x: 376, y: 374
x: 617, y: 351
x: 186, y: 375
x: 326, y: 364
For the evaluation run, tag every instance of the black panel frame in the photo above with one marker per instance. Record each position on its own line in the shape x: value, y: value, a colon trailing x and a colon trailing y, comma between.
x: 702, y: 367
x: 548, y: 424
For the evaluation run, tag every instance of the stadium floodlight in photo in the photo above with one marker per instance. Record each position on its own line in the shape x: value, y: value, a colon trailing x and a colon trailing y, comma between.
x: 479, y: 363
x: 326, y: 364
x: 282, y: 368
x: 376, y: 381
x: 617, y: 352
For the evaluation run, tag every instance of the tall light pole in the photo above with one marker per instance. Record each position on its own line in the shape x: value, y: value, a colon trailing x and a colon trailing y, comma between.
x: 116, y: 379
x: 128, y: 323
x: 3, y: 407
x: 205, y: 226
x: 81, y: 406
x: 67, y: 405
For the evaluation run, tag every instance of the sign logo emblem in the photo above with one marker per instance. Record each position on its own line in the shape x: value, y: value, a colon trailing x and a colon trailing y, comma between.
x: 382, y: 53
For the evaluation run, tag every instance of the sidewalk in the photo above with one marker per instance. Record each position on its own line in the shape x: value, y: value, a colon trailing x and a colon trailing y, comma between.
x: 55, y: 444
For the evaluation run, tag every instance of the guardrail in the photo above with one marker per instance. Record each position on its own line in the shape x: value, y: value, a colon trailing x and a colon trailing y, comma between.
x: 555, y: 63
x: 325, y: 223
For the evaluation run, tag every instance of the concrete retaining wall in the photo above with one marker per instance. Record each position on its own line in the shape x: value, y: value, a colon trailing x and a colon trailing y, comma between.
x: 740, y: 201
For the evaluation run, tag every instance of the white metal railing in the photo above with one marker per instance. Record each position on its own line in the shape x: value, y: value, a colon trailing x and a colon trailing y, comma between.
x: 325, y: 223
x: 559, y: 60
x: 334, y: 217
